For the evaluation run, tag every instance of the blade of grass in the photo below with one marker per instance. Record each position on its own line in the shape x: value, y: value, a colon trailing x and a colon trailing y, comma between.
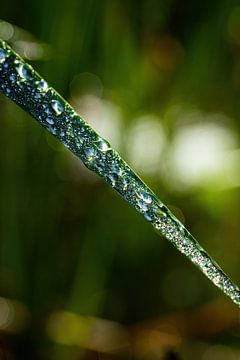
x: 24, y: 86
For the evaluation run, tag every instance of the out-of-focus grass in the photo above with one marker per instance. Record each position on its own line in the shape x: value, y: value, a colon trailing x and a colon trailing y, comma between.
x: 161, y: 81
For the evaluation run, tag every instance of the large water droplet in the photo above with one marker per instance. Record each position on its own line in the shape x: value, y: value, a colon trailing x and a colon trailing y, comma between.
x: 3, y: 55
x: 147, y: 216
x: 90, y: 153
x: 142, y: 206
x: 103, y: 145
x: 49, y: 120
x: 144, y: 196
x: 57, y: 107
x: 42, y: 86
x: 22, y: 71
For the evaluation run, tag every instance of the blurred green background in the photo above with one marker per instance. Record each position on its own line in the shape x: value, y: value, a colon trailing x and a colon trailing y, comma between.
x: 82, y: 275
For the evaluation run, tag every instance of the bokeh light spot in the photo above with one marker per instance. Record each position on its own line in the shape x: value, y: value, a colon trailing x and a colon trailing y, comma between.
x: 145, y: 141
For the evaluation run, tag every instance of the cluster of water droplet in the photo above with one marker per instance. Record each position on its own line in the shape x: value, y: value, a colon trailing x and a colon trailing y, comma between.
x: 24, y: 86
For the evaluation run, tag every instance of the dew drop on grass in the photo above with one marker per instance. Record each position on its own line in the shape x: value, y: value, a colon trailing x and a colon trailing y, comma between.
x: 23, y: 71
x: 12, y: 77
x: 147, y: 216
x: 57, y: 107
x: 116, y: 170
x: 142, y: 206
x: 112, y: 179
x: 49, y: 120
x: 42, y: 86
x: 90, y: 153
x: 52, y: 130
x: 125, y: 183
x: 144, y: 196
x: 103, y: 145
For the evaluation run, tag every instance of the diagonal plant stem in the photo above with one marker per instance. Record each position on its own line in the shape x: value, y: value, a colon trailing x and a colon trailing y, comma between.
x: 24, y: 86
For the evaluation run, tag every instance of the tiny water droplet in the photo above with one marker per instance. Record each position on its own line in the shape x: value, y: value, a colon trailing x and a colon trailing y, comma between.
x: 112, y: 178
x: 12, y: 77
x: 125, y: 183
x: 57, y: 107
x: 78, y: 141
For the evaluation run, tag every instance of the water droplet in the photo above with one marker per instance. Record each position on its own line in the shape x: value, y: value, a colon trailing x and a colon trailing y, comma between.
x: 49, y: 120
x: 143, y: 195
x: 12, y: 77
x: 159, y: 210
x: 42, y: 86
x: 52, y: 130
x: 143, y: 200
x: 57, y: 107
x: 3, y: 55
x: 103, y: 145
x: 23, y: 71
x: 48, y: 111
x: 90, y: 153
x: 70, y: 133
x: 147, y: 216
x: 112, y: 178
x: 66, y: 143
x: 142, y: 206
x: 116, y: 170
x: 78, y: 141
x: 37, y: 96
x: 125, y: 182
